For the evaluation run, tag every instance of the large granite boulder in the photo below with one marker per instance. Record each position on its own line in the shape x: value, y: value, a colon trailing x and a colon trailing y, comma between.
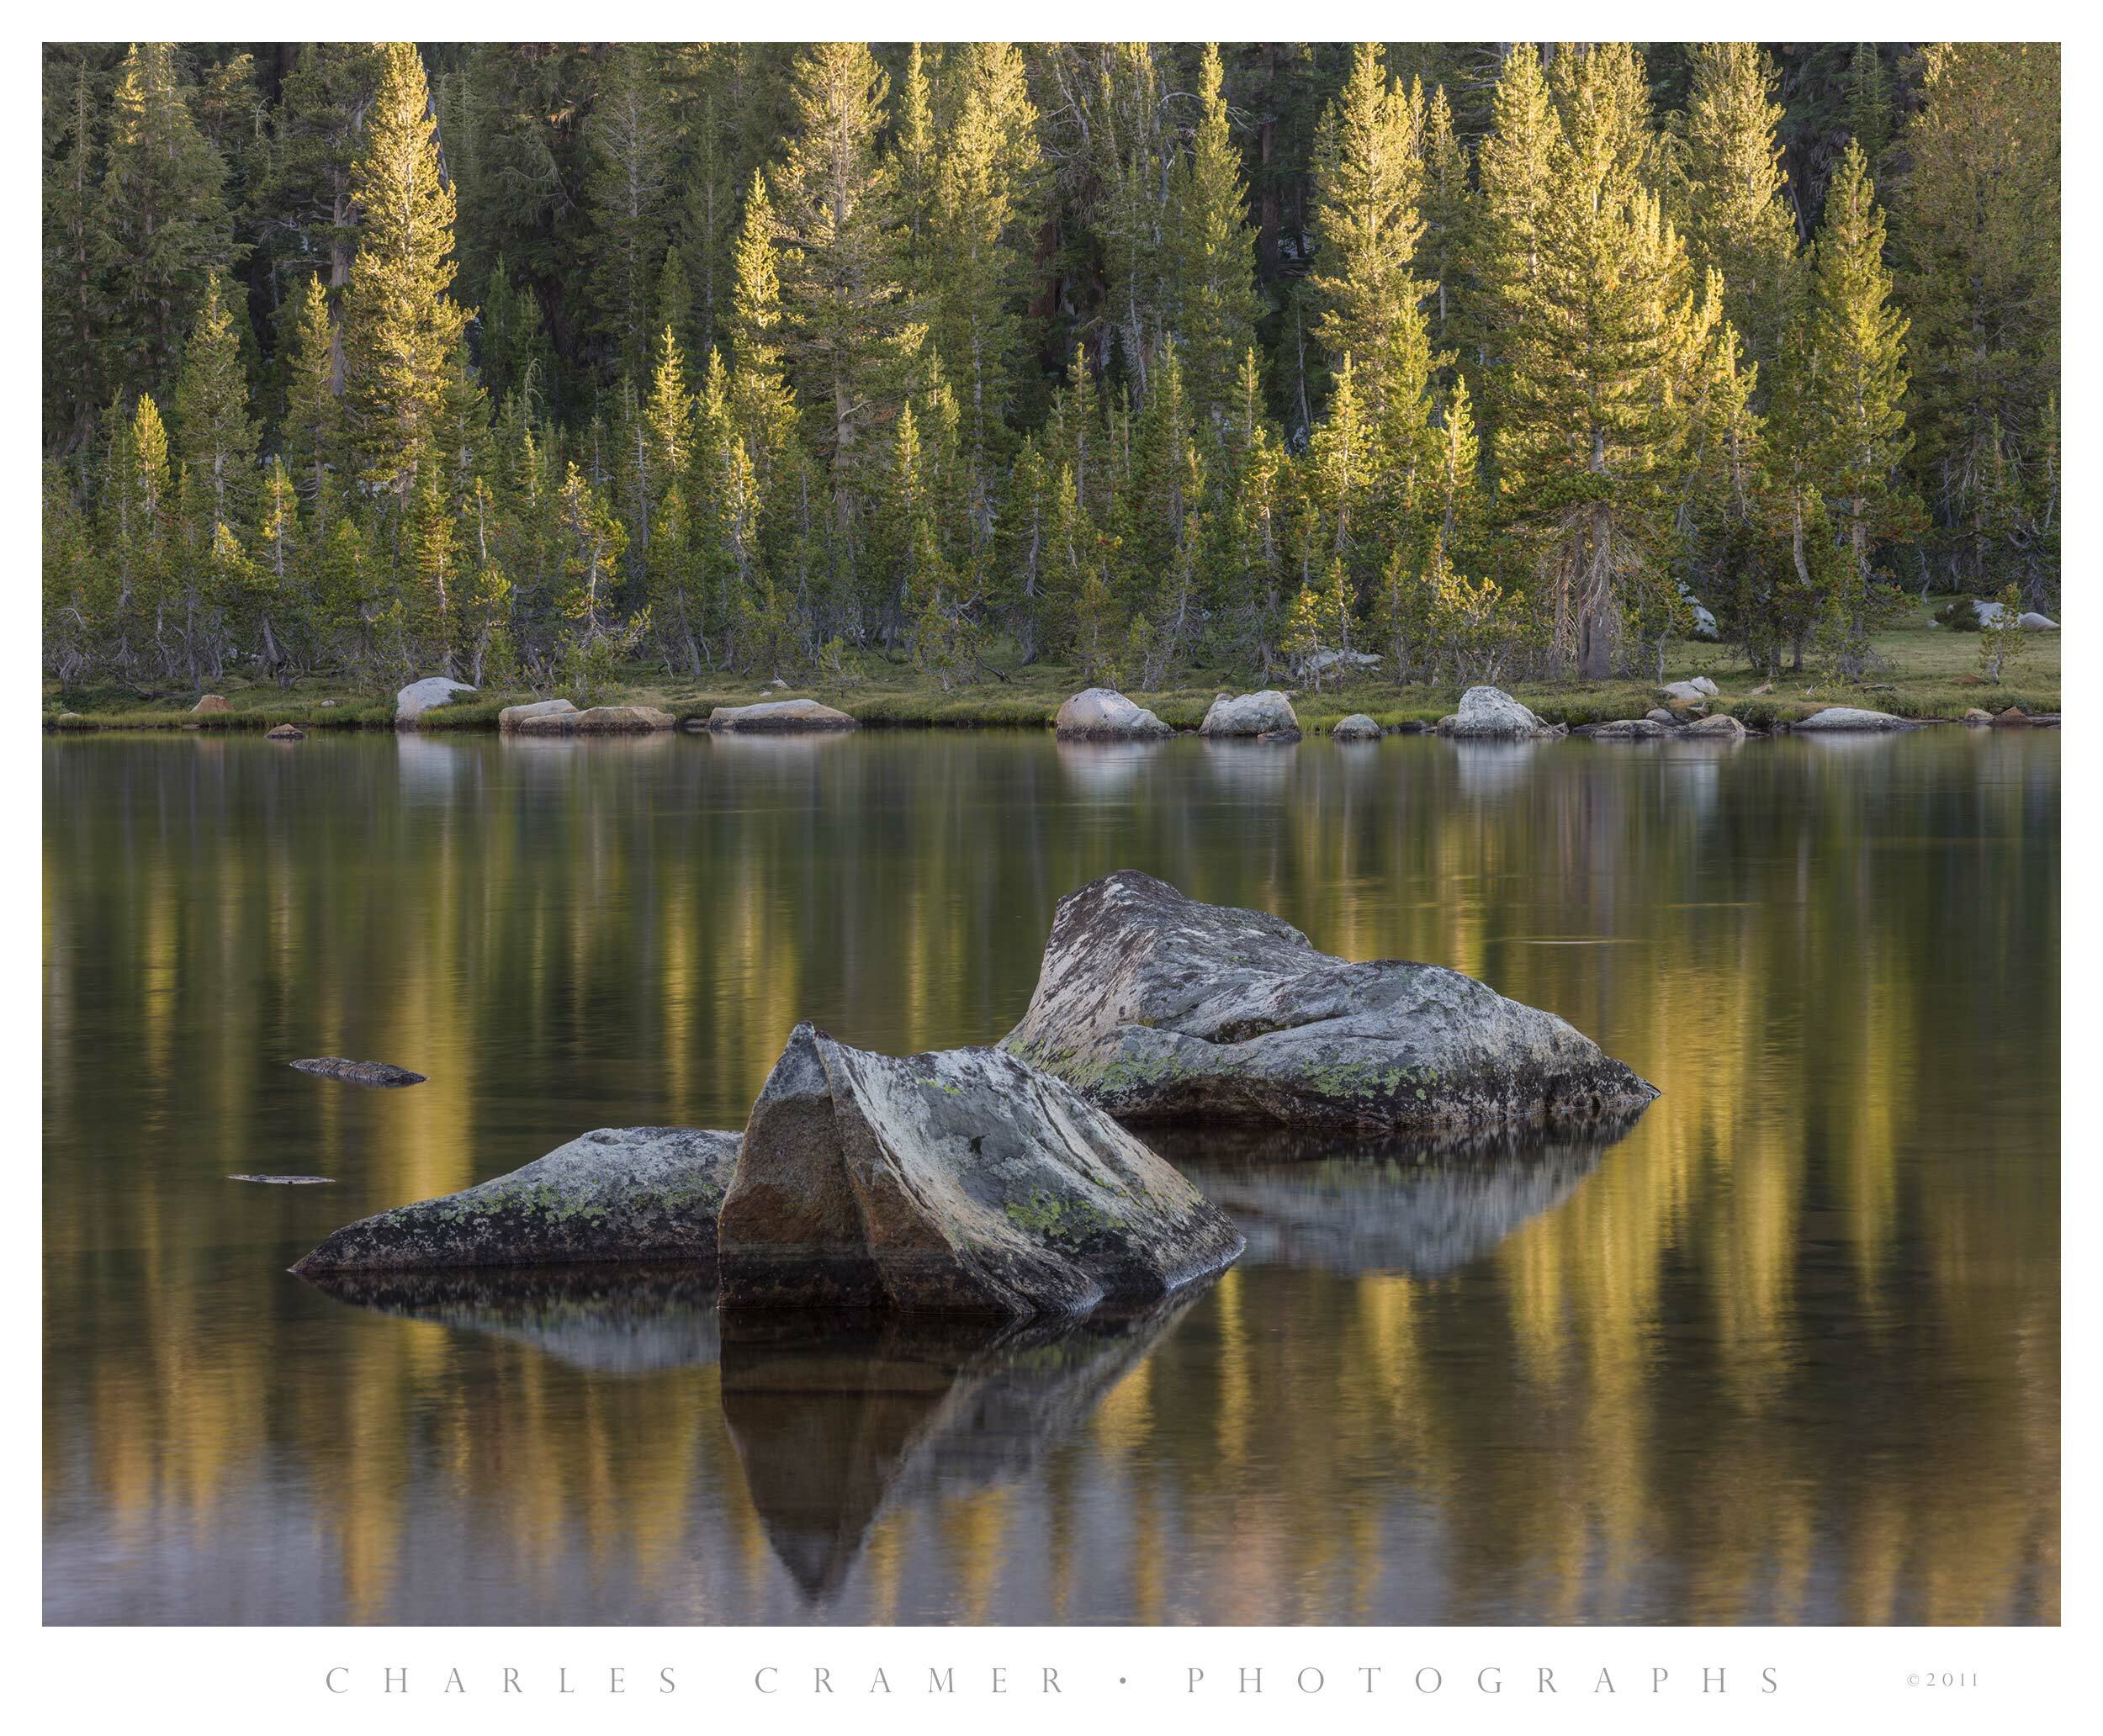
x: 1491, y: 714
x: 543, y: 716
x: 2032, y: 622
x: 1156, y: 1007
x: 1268, y: 712
x: 621, y: 1193
x: 963, y: 1182
x: 622, y: 720
x: 213, y: 705
x: 426, y: 696
x: 1847, y: 720
x: 1105, y: 714
x: 778, y: 716
x: 1357, y: 727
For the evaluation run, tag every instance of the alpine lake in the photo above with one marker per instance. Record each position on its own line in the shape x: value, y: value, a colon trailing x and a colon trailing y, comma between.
x: 1786, y: 1351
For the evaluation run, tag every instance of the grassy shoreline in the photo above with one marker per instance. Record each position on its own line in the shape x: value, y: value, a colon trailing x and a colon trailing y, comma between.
x: 1927, y: 672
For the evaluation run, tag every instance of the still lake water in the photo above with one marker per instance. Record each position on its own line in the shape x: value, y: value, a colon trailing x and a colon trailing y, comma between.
x: 1787, y: 1352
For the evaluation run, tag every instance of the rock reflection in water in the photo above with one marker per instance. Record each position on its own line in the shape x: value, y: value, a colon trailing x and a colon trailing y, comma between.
x: 1420, y: 1207
x: 600, y: 1320
x: 832, y: 1419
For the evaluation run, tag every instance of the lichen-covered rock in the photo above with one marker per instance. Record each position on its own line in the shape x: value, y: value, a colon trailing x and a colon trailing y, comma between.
x: 426, y: 696
x: 284, y: 732
x: 543, y: 716
x: 1155, y: 1006
x: 778, y: 716
x: 622, y: 720
x: 212, y: 705
x: 1489, y: 713
x: 1844, y: 719
x: 1268, y: 712
x: 358, y: 1072
x: 635, y: 1193
x: 961, y: 1182
x: 1105, y: 714
x: 1357, y: 727
x: 1723, y: 727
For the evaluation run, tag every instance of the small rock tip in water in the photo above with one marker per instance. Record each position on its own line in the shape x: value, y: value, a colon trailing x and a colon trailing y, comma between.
x: 286, y: 1181
x: 358, y: 1072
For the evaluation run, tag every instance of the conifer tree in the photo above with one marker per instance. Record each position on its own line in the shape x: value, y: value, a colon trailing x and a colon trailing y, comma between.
x: 1216, y: 302
x: 400, y: 321
x: 1601, y: 333
x: 849, y: 332
x: 1981, y: 223
x: 1734, y: 195
x: 627, y: 193
x: 216, y: 436
x: 313, y: 422
x: 1854, y: 424
x: 161, y: 218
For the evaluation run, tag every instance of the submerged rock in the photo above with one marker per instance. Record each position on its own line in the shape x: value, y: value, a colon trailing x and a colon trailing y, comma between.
x: 1357, y: 727
x: 1105, y: 714
x: 427, y: 695
x: 779, y: 717
x: 1627, y: 729
x: 1155, y: 1006
x: 622, y: 720
x: 543, y: 716
x: 1268, y: 712
x: 358, y: 1072
x: 1840, y: 719
x: 284, y: 732
x: 959, y: 1182
x: 286, y: 1181
x: 1491, y: 713
x: 618, y: 1193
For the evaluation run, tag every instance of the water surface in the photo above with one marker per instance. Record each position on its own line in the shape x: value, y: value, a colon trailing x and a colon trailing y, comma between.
x: 1788, y: 1351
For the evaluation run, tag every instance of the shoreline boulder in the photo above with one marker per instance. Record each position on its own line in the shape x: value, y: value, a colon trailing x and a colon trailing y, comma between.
x: 427, y: 695
x: 1846, y: 719
x: 778, y: 716
x: 1156, y: 1006
x: 211, y: 706
x: 962, y: 1182
x: 1267, y: 713
x: 285, y: 732
x: 544, y: 716
x: 619, y: 1193
x: 1722, y: 727
x: 1489, y: 713
x: 358, y: 1072
x: 1627, y: 729
x: 622, y: 720
x: 1105, y: 714
x: 1357, y: 727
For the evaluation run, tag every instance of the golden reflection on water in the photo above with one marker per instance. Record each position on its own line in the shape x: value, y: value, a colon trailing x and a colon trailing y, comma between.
x: 1788, y: 1352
